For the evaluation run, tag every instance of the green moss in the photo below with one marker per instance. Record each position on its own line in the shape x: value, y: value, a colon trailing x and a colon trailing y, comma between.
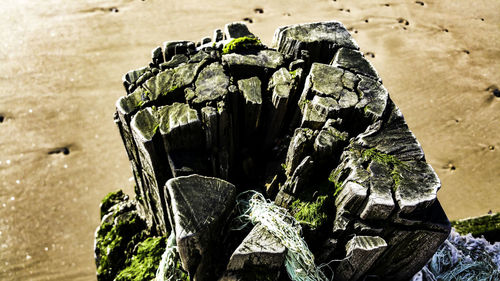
x: 172, y: 89
x: 144, y: 263
x: 310, y: 213
x: 485, y: 225
x: 293, y: 73
x: 111, y: 199
x: 337, y: 184
x: 396, y: 177
x: 342, y: 136
x: 383, y: 158
x: 115, y: 241
x: 375, y: 155
x: 242, y: 43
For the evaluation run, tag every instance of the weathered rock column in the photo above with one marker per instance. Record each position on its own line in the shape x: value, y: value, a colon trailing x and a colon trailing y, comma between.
x: 310, y: 123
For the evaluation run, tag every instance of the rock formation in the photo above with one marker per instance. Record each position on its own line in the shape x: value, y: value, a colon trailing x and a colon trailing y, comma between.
x: 307, y: 122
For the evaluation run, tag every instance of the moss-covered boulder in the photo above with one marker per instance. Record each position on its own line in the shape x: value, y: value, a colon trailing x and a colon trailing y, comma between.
x: 122, y: 228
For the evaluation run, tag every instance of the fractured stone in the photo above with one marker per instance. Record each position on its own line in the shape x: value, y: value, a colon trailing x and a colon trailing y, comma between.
x: 200, y: 208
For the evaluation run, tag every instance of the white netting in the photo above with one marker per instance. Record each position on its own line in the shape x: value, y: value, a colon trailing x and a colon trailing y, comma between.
x: 464, y: 258
x: 299, y: 261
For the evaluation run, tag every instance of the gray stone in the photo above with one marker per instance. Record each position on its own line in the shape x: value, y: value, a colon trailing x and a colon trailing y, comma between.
x: 131, y: 77
x: 175, y: 61
x: 354, y: 61
x: 199, y: 56
x: 417, y: 187
x: 323, y: 80
x: 260, y: 249
x: 281, y: 88
x: 300, y: 146
x: 218, y: 35
x: 373, y: 98
x: 320, y: 39
x: 211, y: 84
x: 210, y: 119
x: 317, y: 111
x: 392, y: 137
x: 328, y: 144
x: 253, y: 63
x: 237, y: 30
x: 157, y: 56
x: 407, y: 252
x: 380, y: 203
x: 362, y: 228
x: 351, y: 197
x: 251, y: 89
x: 340, y: 223
x: 153, y: 163
x: 180, y: 126
x: 200, y: 207
x: 283, y: 199
x: 159, y: 85
x: 172, y: 48
x: 301, y: 177
x: 206, y: 40
x: 226, y: 144
x: 362, y: 252
x: 296, y: 64
x: 183, y: 136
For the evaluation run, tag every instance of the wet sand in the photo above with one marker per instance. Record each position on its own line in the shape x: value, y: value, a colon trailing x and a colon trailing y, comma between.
x: 60, y: 75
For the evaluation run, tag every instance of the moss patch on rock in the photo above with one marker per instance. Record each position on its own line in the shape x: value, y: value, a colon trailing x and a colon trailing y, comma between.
x: 110, y: 200
x: 373, y: 154
x: 121, y: 229
x: 144, y: 262
x: 487, y: 226
x: 310, y: 213
x: 242, y: 43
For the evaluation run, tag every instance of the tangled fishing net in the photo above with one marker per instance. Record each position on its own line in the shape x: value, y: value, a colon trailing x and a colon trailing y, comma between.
x: 463, y: 258
x: 299, y: 261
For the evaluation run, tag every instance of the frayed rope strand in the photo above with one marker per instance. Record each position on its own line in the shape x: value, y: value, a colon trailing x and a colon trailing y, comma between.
x: 299, y: 262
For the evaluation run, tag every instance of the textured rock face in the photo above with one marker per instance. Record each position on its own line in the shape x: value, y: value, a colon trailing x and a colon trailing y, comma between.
x: 308, y: 122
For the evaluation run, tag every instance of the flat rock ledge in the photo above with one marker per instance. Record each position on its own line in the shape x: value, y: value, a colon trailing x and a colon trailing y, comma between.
x: 307, y: 122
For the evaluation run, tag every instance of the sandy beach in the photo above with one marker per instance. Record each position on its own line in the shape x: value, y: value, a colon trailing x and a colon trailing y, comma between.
x: 60, y: 75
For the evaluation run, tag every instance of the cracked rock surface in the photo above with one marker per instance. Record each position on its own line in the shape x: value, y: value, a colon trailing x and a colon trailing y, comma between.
x: 307, y: 122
